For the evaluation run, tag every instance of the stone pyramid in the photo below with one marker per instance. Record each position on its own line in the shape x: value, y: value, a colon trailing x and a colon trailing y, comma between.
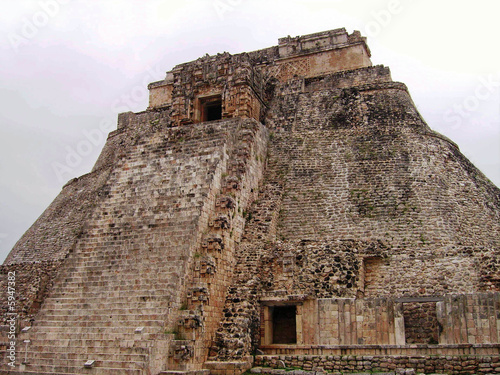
x: 286, y: 208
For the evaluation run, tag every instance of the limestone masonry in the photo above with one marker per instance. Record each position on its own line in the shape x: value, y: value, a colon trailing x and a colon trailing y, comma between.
x: 286, y: 208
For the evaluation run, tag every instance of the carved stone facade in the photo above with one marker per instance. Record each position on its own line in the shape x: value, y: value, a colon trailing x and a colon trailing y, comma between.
x: 287, y: 207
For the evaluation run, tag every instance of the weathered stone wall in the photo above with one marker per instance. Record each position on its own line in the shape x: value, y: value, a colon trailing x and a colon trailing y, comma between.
x: 244, y: 81
x: 359, y: 197
x: 380, y: 174
x: 319, y: 63
x: 442, y: 363
x: 54, y: 234
x: 449, y: 320
x: 356, y: 322
x: 234, y: 79
x: 33, y: 282
x: 469, y: 318
x: 327, y: 325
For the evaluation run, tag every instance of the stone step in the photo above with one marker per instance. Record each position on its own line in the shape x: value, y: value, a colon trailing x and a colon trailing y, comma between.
x: 163, y: 298
x: 97, y: 265
x: 102, y: 265
x: 114, y: 256
x: 99, y: 317
x: 103, y: 335
x: 109, y: 284
x: 101, y: 338
x: 42, y: 324
x: 103, y: 304
x: 105, y: 310
x: 128, y: 361
x: 187, y: 372
x: 101, y: 343
x: 80, y: 309
x: 94, y: 323
x: 115, y: 350
x: 109, y: 291
x: 81, y: 359
x: 79, y: 293
x: 117, y: 276
x: 121, y: 272
x: 72, y: 370
x: 23, y: 371
x: 80, y: 354
x: 101, y: 322
x: 161, y: 303
x: 121, y: 269
x: 91, y: 299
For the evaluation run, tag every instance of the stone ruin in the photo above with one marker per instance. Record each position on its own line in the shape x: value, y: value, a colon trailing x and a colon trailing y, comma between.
x: 283, y: 208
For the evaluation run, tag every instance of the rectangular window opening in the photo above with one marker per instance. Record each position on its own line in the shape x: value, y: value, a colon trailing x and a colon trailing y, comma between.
x: 211, y: 108
x: 284, y: 324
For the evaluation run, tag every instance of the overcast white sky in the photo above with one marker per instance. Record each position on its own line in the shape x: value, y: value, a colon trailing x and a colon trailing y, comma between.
x: 67, y: 68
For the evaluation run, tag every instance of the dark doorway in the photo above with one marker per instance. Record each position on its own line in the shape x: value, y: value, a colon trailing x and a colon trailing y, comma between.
x: 211, y: 109
x: 284, y: 325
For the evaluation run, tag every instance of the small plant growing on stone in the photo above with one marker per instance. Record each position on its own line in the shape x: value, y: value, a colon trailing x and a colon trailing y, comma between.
x: 173, y: 332
x: 177, y: 334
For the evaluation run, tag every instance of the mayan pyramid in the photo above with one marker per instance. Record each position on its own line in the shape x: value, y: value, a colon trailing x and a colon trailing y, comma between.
x: 282, y: 208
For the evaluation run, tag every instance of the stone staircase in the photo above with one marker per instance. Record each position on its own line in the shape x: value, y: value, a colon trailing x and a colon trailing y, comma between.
x: 78, y: 325
x: 92, y: 314
x: 214, y: 264
x: 112, y: 301
x: 146, y: 261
